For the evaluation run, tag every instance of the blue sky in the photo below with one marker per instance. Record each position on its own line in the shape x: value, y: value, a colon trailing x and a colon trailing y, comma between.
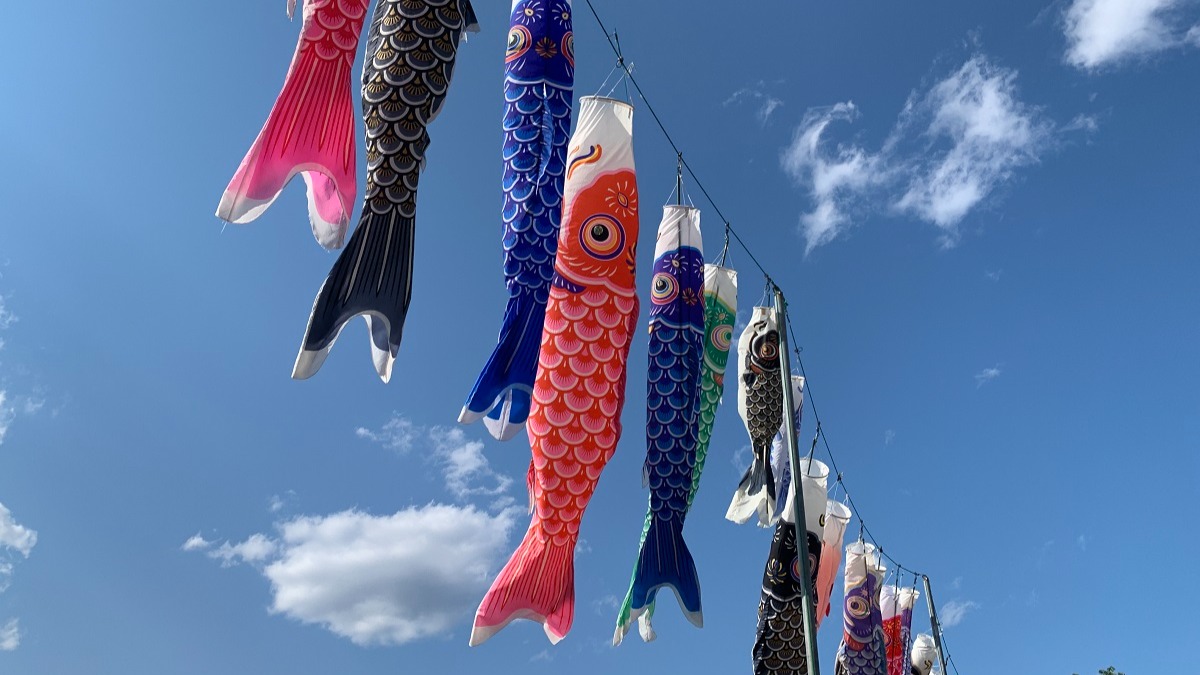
x: 983, y: 214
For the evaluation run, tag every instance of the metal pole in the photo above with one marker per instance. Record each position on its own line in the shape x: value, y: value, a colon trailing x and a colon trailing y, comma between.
x: 785, y: 371
x: 935, y: 624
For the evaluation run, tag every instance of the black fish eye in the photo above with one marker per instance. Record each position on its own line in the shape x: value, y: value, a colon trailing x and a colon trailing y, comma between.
x: 600, y: 233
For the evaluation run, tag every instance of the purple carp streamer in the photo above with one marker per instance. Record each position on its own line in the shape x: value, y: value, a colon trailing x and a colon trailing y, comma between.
x: 862, y: 648
x: 539, y: 76
x: 675, y: 355
x: 720, y: 311
x: 411, y: 49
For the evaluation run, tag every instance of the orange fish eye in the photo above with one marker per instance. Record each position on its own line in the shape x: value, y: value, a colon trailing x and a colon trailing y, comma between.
x: 664, y: 289
x: 519, y: 41
x: 602, y: 237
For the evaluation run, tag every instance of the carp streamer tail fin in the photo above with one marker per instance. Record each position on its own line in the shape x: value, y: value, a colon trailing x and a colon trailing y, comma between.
x: 502, y: 394
x: 310, y: 130
x: 537, y: 584
x: 755, y: 493
x: 372, y: 277
x: 664, y: 561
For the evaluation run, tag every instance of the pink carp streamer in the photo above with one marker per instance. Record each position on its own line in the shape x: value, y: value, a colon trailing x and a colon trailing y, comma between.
x: 310, y: 129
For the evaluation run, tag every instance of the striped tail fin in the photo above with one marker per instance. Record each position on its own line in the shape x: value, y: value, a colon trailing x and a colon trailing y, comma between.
x: 755, y: 493
x: 372, y: 277
x: 664, y: 561
x: 537, y: 584
x: 310, y: 131
x: 502, y: 394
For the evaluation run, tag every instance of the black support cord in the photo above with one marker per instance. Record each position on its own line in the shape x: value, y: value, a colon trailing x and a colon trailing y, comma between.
x: 614, y: 44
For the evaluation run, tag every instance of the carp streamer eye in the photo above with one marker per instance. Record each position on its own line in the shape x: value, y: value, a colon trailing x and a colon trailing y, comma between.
x: 519, y: 41
x: 602, y: 237
x: 722, y: 337
x: 568, y: 48
x: 858, y: 607
x: 664, y: 289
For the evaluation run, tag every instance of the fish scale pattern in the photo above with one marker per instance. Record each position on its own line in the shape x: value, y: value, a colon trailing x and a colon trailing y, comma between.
x: 675, y: 356
x: 779, y: 645
x: 574, y: 423
x: 411, y: 50
x: 760, y: 404
x: 539, y: 76
x: 310, y: 129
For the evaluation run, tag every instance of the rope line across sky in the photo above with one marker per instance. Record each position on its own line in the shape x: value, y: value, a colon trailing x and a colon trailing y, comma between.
x: 864, y: 531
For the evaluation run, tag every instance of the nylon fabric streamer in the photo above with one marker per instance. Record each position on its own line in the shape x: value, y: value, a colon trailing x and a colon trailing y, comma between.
x: 720, y: 312
x: 538, y: 80
x: 310, y: 129
x: 862, y: 649
x: 411, y: 51
x: 675, y: 356
x: 760, y: 404
x: 837, y: 518
x: 575, y: 420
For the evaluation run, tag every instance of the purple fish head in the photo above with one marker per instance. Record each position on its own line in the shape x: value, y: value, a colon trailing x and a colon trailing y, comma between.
x: 541, y: 45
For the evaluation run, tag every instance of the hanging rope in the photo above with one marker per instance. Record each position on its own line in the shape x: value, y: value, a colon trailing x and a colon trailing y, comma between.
x: 730, y: 232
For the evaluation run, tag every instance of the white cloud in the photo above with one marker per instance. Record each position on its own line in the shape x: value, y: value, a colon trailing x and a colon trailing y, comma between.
x: 832, y: 178
x: 987, y: 375
x: 380, y: 580
x: 278, y: 502
x: 953, y: 145
x: 15, y: 536
x: 397, y: 434
x: 1081, y: 541
x: 953, y: 612
x: 196, y: 543
x: 757, y: 94
x: 7, y: 318
x: 994, y: 276
x: 461, y: 461
x: 956, y: 584
x: 543, y: 655
x: 7, y: 414
x: 464, y: 465
x: 889, y: 436
x: 1104, y: 33
x: 988, y: 132
x: 10, y: 636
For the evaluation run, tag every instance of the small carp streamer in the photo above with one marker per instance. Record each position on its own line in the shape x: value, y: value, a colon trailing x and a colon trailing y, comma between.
x: 760, y: 403
x: 897, y: 607
x: 539, y: 76
x: 310, y: 129
x: 862, y: 648
x: 579, y: 391
x: 837, y: 519
x: 779, y: 645
x: 675, y: 355
x: 781, y: 462
x: 720, y: 311
x: 411, y: 49
x: 923, y: 654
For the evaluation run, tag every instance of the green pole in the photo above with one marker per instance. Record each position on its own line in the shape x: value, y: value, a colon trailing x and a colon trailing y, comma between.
x: 935, y: 624
x: 785, y: 371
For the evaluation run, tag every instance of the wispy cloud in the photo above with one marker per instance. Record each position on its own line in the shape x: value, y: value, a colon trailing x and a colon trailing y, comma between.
x: 756, y: 94
x: 993, y: 275
x: 955, y: 144
x: 987, y: 375
x: 888, y: 437
x: 1082, y: 541
x: 10, y: 636
x: 278, y: 503
x: 955, y: 611
x: 14, y: 536
x: 543, y: 656
x: 1108, y: 33
x: 956, y: 584
x: 461, y: 460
